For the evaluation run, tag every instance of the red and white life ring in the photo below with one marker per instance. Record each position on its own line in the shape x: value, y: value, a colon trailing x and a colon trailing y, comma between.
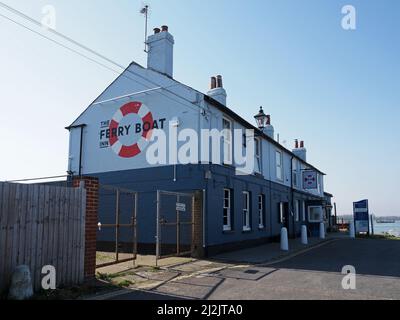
x: 133, y: 150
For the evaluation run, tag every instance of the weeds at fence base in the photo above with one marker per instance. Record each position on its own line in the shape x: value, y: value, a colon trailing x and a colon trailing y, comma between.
x: 75, y: 292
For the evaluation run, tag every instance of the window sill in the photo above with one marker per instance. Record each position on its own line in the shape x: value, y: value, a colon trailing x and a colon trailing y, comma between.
x: 228, y: 165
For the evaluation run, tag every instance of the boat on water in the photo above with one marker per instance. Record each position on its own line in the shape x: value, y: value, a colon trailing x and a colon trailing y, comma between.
x: 385, y: 221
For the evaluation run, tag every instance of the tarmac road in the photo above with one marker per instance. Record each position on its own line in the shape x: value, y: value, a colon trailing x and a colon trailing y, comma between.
x: 317, y: 274
x: 314, y: 275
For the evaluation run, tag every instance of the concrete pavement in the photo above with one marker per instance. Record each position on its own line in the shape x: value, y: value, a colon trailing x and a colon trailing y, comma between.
x: 270, y: 252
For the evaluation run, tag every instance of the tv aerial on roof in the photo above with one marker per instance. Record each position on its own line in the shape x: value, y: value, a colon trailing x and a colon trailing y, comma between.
x: 145, y: 11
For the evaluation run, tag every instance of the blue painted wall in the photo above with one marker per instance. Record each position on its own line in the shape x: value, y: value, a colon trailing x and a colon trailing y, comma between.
x: 191, y: 178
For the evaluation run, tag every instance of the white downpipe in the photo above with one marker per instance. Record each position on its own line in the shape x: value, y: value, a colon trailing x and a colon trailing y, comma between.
x: 284, y: 240
x: 304, y: 237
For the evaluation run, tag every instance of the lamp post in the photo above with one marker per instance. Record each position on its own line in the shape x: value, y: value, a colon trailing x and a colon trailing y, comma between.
x: 262, y: 119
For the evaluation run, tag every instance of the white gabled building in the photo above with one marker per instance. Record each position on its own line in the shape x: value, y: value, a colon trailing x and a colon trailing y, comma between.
x: 110, y: 140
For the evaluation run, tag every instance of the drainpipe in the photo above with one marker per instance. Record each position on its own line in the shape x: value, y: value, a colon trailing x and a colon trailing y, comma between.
x: 82, y: 127
x: 204, y: 221
x: 292, y: 195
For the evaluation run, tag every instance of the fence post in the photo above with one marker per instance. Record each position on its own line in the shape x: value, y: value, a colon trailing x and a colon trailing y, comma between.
x: 91, y: 219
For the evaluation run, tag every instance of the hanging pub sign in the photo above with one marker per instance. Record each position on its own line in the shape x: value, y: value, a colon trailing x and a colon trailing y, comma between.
x: 361, y: 216
x: 310, y: 180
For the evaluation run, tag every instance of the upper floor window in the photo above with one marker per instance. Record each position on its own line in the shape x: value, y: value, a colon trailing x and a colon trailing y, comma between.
x: 279, y: 165
x: 257, y: 156
x: 244, y: 141
x: 319, y: 180
x: 295, y: 173
x: 227, y: 134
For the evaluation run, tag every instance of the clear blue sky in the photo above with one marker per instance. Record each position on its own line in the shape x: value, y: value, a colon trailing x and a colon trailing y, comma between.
x: 337, y: 90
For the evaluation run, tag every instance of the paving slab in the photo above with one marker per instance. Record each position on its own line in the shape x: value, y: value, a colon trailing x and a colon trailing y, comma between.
x: 199, y: 287
x: 250, y: 273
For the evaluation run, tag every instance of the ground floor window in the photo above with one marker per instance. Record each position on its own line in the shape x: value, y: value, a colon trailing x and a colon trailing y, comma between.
x: 315, y: 214
x: 246, y: 211
x: 297, y: 210
x: 281, y: 217
x: 227, y: 210
x: 304, y: 211
x: 261, y: 212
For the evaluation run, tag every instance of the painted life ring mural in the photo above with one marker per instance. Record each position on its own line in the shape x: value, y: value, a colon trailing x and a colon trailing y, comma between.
x: 130, y: 151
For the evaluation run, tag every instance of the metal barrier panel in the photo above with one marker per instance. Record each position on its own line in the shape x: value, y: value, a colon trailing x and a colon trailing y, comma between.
x: 174, y: 224
x: 117, y: 233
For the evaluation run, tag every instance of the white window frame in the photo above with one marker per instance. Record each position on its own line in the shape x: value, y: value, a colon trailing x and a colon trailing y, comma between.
x: 246, y: 211
x: 321, y: 212
x: 281, y: 212
x: 304, y: 210
x: 227, y: 144
x: 279, y: 166
x: 297, y: 210
x: 261, y: 207
x: 227, y: 227
x: 257, y: 156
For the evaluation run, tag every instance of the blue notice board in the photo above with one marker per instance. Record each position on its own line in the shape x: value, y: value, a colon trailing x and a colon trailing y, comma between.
x: 361, y: 216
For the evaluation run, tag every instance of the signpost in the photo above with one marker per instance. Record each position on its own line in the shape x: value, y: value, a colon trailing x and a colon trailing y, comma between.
x: 361, y: 216
x: 181, y: 207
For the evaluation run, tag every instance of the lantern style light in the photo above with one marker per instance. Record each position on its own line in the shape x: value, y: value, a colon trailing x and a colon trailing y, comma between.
x: 261, y: 119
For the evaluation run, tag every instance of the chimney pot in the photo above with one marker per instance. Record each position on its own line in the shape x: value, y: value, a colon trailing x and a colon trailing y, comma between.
x: 296, y: 144
x: 164, y: 28
x: 219, y: 82
x: 213, y: 83
x: 156, y: 30
x: 300, y: 152
x: 217, y: 92
x: 268, y: 120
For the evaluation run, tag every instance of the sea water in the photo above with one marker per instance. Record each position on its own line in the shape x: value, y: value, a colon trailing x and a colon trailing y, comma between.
x: 390, y: 228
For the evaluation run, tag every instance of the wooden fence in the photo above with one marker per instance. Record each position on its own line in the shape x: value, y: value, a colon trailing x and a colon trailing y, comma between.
x: 42, y: 225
